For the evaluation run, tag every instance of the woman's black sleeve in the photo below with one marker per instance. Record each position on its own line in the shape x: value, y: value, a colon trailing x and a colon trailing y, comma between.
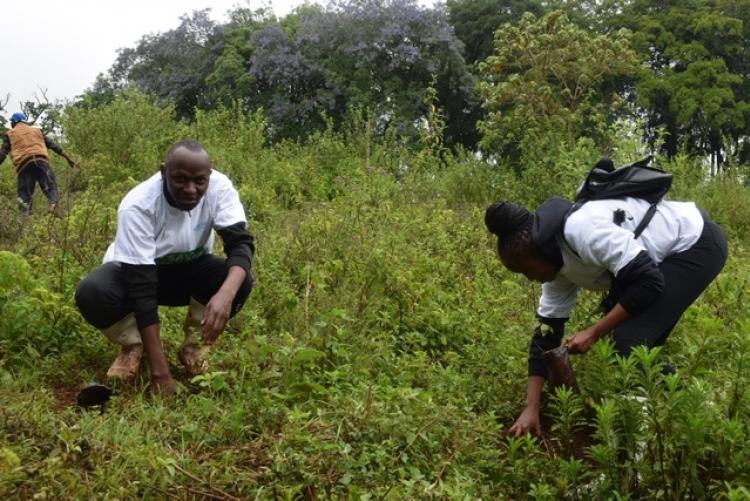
x: 547, y: 335
x: 641, y: 283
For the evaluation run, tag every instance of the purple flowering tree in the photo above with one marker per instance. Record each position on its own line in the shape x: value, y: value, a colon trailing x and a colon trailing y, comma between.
x: 318, y: 62
x: 374, y: 54
x: 172, y: 65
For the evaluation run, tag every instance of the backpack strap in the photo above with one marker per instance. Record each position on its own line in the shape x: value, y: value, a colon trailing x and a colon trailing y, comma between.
x: 646, y: 219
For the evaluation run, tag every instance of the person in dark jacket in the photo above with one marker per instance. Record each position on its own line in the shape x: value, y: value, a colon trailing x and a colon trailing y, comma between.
x: 161, y: 255
x: 651, y: 279
x: 28, y: 149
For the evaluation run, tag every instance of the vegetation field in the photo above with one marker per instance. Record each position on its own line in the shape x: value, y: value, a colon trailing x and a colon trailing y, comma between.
x: 382, y: 354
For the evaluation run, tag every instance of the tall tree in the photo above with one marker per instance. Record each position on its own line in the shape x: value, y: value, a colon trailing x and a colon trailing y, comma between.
x: 475, y: 22
x: 549, y: 78
x: 312, y: 66
x: 230, y: 80
x: 374, y: 54
x: 172, y: 65
x: 696, y: 89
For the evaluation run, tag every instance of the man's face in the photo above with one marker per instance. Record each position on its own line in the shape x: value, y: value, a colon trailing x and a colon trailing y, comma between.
x: 186, y: 174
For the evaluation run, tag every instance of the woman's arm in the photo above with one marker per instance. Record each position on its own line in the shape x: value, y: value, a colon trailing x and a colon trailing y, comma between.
x: 641, y: 283
x: 547, y: 336
x: 582, y: 341
x: 528, y: 421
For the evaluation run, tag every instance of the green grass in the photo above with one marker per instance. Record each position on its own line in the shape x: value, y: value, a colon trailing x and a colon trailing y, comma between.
x: 381, y: 355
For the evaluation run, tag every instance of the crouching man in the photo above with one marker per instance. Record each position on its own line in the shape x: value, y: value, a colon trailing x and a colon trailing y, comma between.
x: 161, y: 255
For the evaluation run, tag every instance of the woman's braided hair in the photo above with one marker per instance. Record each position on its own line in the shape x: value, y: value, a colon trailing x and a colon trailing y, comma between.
x: 512, y: 225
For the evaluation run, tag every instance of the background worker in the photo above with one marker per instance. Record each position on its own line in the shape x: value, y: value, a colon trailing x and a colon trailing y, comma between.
x: 28, y: 147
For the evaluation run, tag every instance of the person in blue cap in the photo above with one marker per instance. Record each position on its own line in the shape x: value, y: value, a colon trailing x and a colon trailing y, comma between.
x: 28, y: 149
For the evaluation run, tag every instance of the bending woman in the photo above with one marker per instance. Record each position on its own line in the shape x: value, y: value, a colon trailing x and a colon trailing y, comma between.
x: 651, y: 279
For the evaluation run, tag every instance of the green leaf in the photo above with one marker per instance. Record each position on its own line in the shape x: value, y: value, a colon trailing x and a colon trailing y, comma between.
x: 306, y: 355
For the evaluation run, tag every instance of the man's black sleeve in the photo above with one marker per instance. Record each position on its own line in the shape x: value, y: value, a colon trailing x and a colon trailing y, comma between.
x: 53, y: 145
x: 547, y: 336
x: 239, y: 245
x: 5, y: 148
x: 141, y: 282
x: 641, y: 283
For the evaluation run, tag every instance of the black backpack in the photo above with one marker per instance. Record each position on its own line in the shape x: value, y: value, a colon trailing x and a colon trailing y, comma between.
x: 637, y: 180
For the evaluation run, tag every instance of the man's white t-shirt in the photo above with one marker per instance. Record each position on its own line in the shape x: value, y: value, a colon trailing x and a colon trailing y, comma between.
x: 595, y: 248
x: 151, y: 231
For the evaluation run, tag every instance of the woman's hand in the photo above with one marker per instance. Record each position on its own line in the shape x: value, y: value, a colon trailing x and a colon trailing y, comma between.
x: 527, y: 422
x: 582, y: 341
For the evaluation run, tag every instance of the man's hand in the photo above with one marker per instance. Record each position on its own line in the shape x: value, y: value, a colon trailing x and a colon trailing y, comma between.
x: 582, y: 341
x: 527, y: 422
x: 216, y: 316
x: 161, y: 378
x: 72, y: 164
x: 163, y: 385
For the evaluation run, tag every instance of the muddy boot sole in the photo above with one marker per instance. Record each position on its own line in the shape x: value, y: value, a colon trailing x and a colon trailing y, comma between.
x: 126, y: 364
x: 194, y: 358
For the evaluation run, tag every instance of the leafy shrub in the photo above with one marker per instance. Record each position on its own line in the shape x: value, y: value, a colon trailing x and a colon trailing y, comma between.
x: 34, y: 322
x: 383, y: 352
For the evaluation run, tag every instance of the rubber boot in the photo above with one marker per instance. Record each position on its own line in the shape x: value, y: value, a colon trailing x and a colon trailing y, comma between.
x: 126, y: 334
x: 54, y: 210
x: 24, y: 207
x: 193, y: 353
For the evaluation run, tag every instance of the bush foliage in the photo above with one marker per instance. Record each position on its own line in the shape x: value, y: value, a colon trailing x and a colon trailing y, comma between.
x: 382, y: 354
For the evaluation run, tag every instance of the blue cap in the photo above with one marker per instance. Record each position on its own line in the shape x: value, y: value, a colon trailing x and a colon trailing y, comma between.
x: 18, y: 117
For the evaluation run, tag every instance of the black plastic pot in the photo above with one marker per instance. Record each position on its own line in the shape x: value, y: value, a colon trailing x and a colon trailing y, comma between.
x: 559, y: 370
x: 94, y: 395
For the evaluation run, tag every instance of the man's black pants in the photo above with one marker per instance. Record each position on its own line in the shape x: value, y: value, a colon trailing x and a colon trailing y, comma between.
x: 102, y: 297
x: 33, y: 172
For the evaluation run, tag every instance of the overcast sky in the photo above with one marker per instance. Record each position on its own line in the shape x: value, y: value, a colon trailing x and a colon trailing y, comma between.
x: 62, y: 45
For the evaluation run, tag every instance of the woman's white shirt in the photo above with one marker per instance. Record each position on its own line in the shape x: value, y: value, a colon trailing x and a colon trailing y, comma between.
x: 595, y: 249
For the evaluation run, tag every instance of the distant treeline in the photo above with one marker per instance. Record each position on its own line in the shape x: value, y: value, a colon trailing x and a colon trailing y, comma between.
x: 498, y: 73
